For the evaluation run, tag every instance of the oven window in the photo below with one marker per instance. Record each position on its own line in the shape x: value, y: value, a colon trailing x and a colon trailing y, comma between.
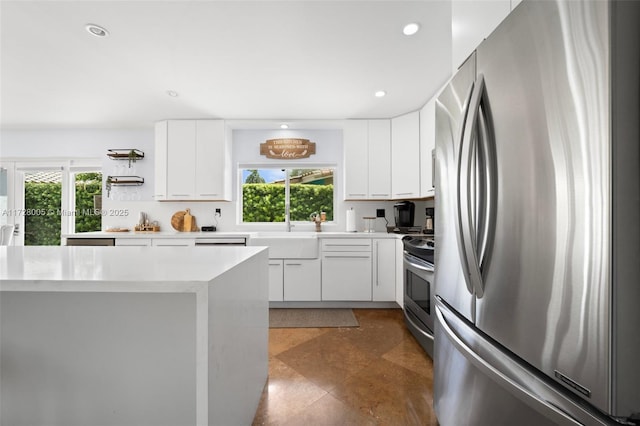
x: 418, y: 290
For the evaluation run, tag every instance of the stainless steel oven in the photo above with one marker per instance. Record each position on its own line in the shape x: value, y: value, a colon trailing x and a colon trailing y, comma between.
x: 419, y: 308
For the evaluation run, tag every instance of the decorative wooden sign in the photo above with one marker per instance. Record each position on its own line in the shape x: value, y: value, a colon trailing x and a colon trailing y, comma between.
x: 288, y: 149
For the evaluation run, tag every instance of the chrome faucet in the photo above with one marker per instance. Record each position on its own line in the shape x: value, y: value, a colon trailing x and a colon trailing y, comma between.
x: 287, y: 216
x: 287, y: 202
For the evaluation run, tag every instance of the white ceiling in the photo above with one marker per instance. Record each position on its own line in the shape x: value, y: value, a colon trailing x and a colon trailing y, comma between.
x: 274, y: 60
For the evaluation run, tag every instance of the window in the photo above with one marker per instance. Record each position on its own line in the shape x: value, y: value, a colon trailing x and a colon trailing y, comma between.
x: 88, y: 201
x: 265, y: 192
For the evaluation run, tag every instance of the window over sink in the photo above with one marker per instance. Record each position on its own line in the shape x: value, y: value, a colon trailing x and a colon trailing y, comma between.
x: 265, y: 192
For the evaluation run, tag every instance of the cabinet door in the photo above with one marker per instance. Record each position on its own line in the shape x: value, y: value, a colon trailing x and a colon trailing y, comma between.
x: 384, y: 270
x: 405, y: 157
x: 210, y: 156
x: 355, y: 146
x: 427, y: 146
x: 379, y: 159
x: 302, y: 280
x: 160, y: 161
x: 181, y: 155
x: 346, y: 276
x: 276, y: 280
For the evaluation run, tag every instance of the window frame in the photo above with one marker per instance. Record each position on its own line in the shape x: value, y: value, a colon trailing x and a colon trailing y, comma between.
x: 286, y: 166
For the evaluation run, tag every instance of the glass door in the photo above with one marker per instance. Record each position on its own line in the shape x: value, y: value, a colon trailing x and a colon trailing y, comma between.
x: 39, y: 201
x: 45, y: 200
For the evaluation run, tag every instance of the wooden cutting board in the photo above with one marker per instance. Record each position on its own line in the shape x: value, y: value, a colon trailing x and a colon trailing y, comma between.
x: 177, y: 222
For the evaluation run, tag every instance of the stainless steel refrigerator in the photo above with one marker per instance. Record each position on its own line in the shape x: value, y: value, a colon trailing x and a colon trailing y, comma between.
x: 538, y: 242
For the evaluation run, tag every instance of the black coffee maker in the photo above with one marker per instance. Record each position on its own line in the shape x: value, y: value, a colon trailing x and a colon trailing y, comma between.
x: 404, y: 213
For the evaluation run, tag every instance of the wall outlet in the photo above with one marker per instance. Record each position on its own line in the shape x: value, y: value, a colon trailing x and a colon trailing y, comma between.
x: 218, y: 212
x: 379, y: 212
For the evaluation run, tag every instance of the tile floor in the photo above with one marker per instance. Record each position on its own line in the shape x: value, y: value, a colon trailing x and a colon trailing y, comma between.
x: 374, y: 374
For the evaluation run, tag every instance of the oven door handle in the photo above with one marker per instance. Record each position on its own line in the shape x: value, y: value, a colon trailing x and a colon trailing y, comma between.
x: 418, y: 263
x: 419, y: 328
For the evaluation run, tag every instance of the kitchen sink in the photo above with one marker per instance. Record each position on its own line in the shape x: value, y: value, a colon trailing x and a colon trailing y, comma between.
x: 287, y: 245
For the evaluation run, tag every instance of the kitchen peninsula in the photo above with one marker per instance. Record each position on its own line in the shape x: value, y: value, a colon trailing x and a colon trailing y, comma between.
x: 134, y: 336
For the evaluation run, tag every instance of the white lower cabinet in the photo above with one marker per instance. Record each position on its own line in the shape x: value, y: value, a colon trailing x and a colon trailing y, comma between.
x: 346, y: 269
x: 349, y: 270
x: 301, y: 282
x: 276, y: 280
x: 346, y: 276
x: 384, y: 270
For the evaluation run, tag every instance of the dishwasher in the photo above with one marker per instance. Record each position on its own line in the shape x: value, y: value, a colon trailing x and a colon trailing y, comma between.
x: 222, y: 241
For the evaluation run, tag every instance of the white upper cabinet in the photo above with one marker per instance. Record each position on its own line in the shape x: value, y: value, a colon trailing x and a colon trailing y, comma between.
x: 212, y: 154
x: 367, y: 162
x: 405, y: 156
x: 160, y: 161
x: 427, y: 145
x: 355, y: 140
x: 181, y: 156
x: 379, y: 159
x: 192, y: 160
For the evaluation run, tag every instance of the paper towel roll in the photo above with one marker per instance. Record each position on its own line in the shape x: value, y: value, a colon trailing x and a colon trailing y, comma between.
x: 351, y: 220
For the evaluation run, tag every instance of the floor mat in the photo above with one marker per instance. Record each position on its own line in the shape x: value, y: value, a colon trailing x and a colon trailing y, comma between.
x: 311, y: 318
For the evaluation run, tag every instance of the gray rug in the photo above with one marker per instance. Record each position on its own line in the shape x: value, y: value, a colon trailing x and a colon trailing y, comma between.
x: 311, y: 318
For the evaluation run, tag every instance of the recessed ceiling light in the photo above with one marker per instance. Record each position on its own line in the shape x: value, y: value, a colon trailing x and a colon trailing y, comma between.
x: 380, y: 93
x: 284, y: 126
x: 172, y: 93
x: 96, y: 30
x: 411, y: 29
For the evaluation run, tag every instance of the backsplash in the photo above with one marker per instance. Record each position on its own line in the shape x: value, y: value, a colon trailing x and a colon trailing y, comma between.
x: 125, y: 214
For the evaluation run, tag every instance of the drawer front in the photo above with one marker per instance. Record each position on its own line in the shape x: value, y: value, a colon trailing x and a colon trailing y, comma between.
x: 139, y: 242
x: 346, y: 244
x: 173, y: 242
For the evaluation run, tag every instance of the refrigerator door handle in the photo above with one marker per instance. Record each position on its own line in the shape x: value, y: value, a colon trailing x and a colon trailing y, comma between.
x: 512, y: 375
x: 487, y: 181
x: 462, y: 195
x: 467, y: 189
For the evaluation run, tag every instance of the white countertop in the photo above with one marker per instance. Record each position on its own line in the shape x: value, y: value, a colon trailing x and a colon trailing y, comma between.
x: 241, y: 234
x: 138, y: 267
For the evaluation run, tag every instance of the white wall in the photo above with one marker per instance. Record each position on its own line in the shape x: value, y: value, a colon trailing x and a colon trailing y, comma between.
x: 43, y: 144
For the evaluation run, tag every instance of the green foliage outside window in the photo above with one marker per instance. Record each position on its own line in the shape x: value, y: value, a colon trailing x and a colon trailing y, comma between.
x: 42, y: 225
x: 265, y: 202
x: 88, y: 185
x: 43, y: 201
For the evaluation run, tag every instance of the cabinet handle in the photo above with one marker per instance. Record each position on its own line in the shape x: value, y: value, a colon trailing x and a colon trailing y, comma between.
x: 347, y: 257
x: 433, y: 168
x: 377, y: 271
x: 357, y: 195
x: 346, y: 245
x: 208, y: 195
x: 274, y: 264
x: 404, y: 193
x: 180, y: 195
x: 293, y: 264
x: 379, y: 195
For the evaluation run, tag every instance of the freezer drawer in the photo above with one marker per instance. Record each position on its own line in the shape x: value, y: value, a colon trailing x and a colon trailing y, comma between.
x: 512, y: 392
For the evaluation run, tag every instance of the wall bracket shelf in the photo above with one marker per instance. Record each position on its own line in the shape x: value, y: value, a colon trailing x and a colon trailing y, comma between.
x: 125, y: 154
x: 123, y: 181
